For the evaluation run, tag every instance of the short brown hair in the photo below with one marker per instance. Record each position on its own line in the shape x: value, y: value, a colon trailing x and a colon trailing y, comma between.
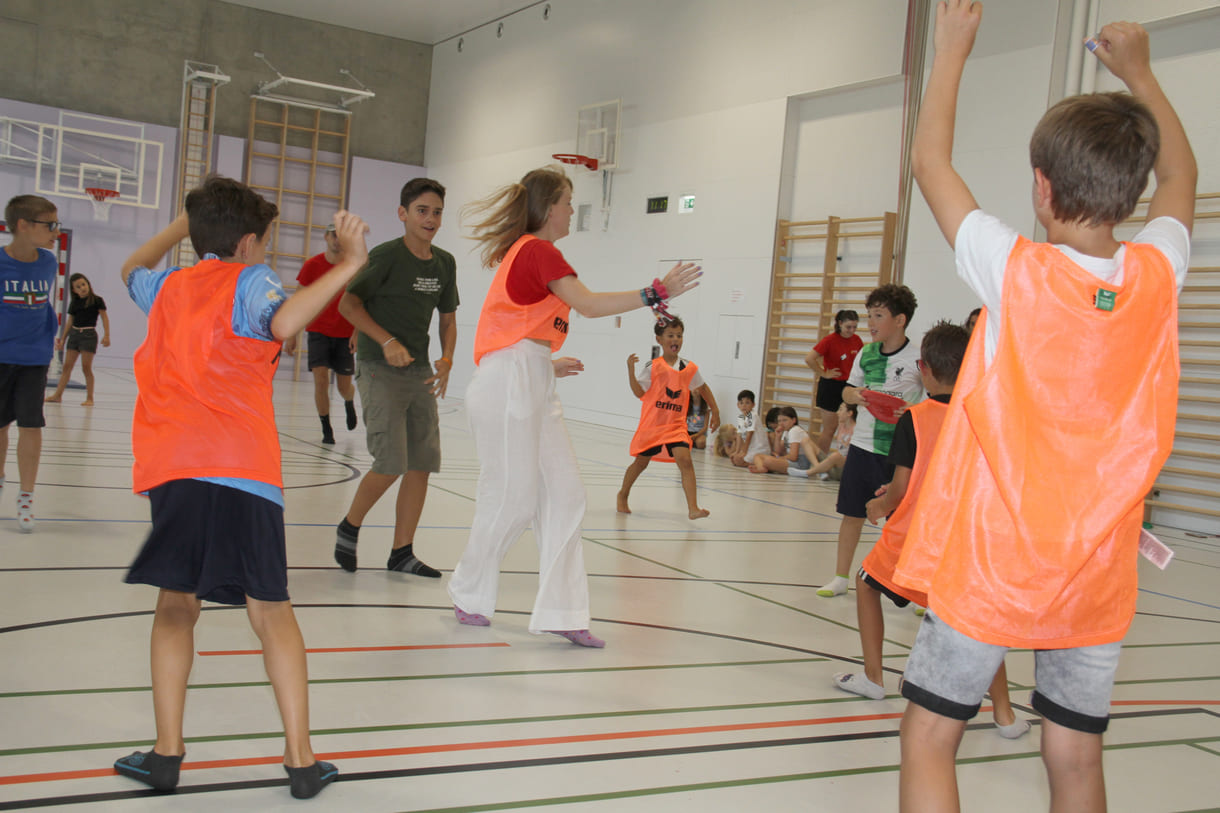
x: 221, y: 211
x: 942, y: 351
x: 26, y: 207
x: 897, y: 299
x: 1096, y: 150
x: 664, y: 323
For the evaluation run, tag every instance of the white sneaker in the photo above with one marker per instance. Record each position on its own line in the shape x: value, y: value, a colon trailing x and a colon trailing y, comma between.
x: 25, y: 513
x: 859, y: 684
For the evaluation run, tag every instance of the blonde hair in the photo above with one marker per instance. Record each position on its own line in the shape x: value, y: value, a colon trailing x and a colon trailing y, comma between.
x: 514, y: 210
x: 724, y: 436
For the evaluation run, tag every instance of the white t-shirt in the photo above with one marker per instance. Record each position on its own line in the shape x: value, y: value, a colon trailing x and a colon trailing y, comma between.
x: 749, y: 422
x: 984, y: 242
x: 644, y: 378
x: 794, y: 435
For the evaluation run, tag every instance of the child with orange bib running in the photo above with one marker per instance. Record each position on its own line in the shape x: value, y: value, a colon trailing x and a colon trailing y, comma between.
x: 914, y: 439
x: 664, y: 387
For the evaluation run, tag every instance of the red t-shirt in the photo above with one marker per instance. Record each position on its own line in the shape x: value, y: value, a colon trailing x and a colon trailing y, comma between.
x: 839, y: 352
x: 328, y: 322
x: 537, y: 264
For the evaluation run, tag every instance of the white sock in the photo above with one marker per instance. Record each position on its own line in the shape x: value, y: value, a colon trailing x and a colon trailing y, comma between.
x: 793, y: 471
x: 857, y: 683
x: 835, y: 587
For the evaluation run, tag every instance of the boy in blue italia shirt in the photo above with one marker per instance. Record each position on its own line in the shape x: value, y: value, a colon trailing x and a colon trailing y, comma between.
x: 27, y: 337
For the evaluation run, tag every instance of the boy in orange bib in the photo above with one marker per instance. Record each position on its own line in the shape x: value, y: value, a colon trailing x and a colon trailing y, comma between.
x: 664, y: 388
x: 914, y: 439
x: 1026, y: 532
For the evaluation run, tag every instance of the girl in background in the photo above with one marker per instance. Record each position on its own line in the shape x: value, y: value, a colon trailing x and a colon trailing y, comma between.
x: 831, y: 360
x: 80, y: 328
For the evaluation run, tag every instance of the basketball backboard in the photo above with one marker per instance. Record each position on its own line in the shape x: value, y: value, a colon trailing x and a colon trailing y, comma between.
x: 81, y: 152
x: 597, y: 132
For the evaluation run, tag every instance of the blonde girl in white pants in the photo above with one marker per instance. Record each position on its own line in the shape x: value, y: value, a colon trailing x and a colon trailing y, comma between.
x: 528, y: 473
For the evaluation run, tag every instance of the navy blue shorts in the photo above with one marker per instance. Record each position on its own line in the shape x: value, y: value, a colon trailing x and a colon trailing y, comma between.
x: 863, y: 473
x: 220, y: 543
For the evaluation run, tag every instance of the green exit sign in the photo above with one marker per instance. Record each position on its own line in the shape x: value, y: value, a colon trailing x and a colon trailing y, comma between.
x: 658, y: 205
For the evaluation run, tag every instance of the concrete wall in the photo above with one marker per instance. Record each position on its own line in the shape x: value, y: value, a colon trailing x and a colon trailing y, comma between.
x: 124, y: 58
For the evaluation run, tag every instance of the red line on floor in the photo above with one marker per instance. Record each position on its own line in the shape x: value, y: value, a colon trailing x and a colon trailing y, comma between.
x: 332, y: 649
x: 519, y: 743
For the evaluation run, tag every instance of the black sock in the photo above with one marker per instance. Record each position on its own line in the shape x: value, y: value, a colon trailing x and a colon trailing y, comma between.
x: 350, y: 408
x: 328, y: 434
x: 403, y: 560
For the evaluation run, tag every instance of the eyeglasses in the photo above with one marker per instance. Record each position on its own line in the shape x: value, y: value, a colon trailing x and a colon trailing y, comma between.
x: 52, y: 225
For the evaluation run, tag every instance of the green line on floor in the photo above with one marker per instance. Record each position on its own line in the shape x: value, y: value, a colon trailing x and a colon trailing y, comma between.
x: 394, y: 678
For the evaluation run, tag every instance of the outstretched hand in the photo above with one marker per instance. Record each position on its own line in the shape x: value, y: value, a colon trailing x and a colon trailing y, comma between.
x: 1123, y: 48
x: 681, y: 278
x: 957, y: 21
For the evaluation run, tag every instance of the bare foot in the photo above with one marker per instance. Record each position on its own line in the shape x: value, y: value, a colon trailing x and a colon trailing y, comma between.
x: 754, y: 470
x: 52, y: 399
x: 622, y: 504
x: 88, y: 402
x: 699, y: 513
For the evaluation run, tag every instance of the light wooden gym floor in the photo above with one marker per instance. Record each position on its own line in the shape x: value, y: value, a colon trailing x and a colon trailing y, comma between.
x: 713, y: 693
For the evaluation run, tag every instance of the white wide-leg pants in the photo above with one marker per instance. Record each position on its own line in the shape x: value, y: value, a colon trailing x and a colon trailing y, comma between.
x: 527, y: 474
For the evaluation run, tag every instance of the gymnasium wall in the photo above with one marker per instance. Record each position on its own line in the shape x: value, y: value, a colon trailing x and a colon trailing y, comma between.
x: 780, y: 109
x: 124, y: 59
x: 705, y: 89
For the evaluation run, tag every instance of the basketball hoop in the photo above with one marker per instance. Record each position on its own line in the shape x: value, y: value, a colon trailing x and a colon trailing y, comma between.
x: 102, y: 198
x: 576, y: 160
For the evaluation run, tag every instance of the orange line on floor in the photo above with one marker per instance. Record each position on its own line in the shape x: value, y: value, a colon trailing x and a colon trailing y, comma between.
x: 358, y: 649
x: 519, y: 743
x: 465, y: 746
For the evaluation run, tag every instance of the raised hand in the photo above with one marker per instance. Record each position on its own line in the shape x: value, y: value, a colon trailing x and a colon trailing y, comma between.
x: 350, y: 230
x: 681, y: 278
x: 1123, y: 48
x: 957, y: 21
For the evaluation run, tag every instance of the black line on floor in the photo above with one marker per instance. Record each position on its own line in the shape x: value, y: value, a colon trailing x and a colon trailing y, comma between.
x: 540, y: 762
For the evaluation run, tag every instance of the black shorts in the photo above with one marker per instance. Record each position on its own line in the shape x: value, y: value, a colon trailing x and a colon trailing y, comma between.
x: 899, y: 601
x: 863, y: 473
x: 220, y: 543
x: 330, y: 352
x: 22, y: 389
x: 830, y: 394
x: 669, y: 447
x: 83, y: 340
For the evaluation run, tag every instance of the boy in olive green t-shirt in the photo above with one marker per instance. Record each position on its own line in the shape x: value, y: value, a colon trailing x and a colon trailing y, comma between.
x: 390, y: 302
